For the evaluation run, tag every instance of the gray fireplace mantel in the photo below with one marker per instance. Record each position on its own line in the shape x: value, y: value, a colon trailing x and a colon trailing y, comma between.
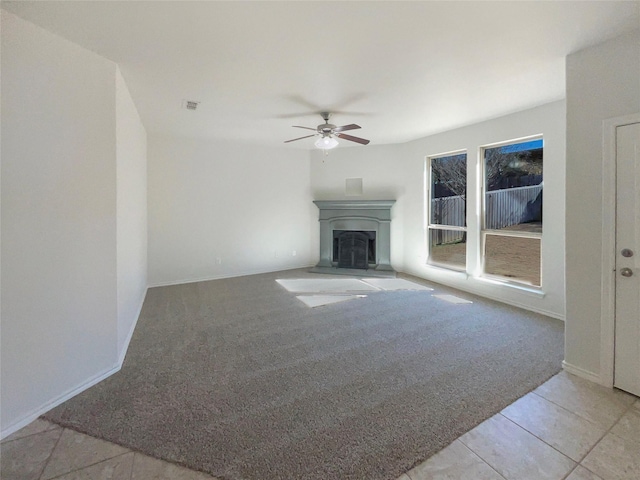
x: 358, y: 215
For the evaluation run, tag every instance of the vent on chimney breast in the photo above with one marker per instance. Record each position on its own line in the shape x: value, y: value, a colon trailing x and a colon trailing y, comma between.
x: 190, y: 104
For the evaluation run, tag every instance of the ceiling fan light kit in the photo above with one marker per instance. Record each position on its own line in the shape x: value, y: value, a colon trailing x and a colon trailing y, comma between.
x: 329, y: 132
x: 326, y: 143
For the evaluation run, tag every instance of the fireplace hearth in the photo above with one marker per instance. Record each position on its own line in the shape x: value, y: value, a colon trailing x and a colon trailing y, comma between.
x: 355, y: 235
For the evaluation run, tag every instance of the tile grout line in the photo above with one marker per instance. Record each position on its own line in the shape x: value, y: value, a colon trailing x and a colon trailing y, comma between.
x: 46, y: 463
x: 476, y: 453
x: 543, y: 441
x: 600, y: 440
x: 5, y: 441
x: 480, y: 458
x: 133, y: 464
x: 571, y: 471
x: 93, y: 464
x: 577, y: 463
x: 581, y: 417
x: 561, y: 406
x: 566, y: 409
x: 604, y: 435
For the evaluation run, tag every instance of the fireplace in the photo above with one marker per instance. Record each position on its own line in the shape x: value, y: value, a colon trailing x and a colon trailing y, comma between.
x: 355, y: 234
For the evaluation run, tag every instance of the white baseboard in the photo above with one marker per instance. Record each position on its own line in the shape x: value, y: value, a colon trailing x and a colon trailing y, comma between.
x: 581, y: 372
x: 230, y: 275
x: 35, y: 413
x: 125, y: 347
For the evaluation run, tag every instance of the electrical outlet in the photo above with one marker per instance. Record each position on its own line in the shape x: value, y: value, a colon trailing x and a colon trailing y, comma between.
x: 218, y: 260
x: 293, y: 254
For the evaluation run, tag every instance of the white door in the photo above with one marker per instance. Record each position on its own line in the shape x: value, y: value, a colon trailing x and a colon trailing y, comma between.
x: 627, y: 297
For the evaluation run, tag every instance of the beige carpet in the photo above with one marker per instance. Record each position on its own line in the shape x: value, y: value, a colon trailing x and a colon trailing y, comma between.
x: 239, y: 379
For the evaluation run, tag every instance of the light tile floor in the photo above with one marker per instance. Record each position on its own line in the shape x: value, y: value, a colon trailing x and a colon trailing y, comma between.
x: 568, y: 428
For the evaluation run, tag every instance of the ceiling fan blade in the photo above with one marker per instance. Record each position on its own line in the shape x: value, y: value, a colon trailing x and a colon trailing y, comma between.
x: 352, y: 138
x: 343, y: 128
x: 306, y: 128
x: 299, y: 138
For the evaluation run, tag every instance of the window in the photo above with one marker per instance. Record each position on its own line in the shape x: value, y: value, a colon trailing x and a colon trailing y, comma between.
x: 512, y: 211
x: 447, y: 210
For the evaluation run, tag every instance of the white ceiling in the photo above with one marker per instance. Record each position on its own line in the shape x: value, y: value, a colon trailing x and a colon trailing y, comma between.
x: 402, y: 70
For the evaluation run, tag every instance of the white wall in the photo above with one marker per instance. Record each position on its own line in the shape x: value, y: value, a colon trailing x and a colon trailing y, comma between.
x: 131, y: 178
x: 602, y: 82
x: 220, y: 209
x: 397, y: 172
x: 59, y: 304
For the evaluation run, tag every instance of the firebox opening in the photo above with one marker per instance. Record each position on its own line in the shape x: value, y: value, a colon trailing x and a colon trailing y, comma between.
x: 354, y: 248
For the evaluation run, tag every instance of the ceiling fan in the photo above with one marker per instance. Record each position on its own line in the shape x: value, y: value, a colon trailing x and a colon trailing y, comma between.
x: 327, y: 133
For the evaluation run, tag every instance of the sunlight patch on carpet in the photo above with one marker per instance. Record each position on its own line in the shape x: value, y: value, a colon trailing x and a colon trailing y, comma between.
x: 326, y: 285
x: 320, y: 300
x: 325, y: 291
x: 395, y: 284
x: 452, y: 299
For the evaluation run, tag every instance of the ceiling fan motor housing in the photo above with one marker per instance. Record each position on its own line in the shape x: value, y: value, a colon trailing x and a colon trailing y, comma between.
x: 326, y: 128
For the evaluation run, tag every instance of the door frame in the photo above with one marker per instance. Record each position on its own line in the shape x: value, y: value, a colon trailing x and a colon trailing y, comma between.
x: 608, y: 259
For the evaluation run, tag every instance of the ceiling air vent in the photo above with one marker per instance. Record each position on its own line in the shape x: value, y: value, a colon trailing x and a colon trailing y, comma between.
x: 190, y: 104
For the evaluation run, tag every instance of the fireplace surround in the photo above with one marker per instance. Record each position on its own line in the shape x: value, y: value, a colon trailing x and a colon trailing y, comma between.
x: 368, y: 220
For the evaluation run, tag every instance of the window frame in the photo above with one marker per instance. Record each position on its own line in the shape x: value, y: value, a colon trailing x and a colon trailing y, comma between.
x: 429, y: 225
x: 483, y: 231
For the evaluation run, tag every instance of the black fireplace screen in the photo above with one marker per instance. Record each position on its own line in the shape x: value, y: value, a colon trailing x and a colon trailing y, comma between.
x: 354, y: 249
